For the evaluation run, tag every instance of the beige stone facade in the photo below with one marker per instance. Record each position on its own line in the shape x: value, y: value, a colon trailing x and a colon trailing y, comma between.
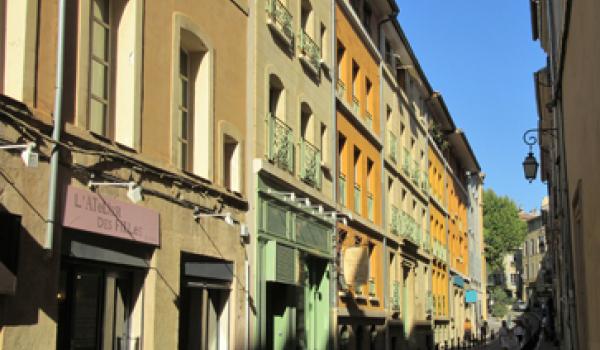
x: 123, y: 100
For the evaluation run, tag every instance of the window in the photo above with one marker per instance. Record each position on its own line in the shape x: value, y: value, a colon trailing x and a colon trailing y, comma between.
x: 355, y: 82
x: 387, y: 49
x: 369, y: 88
x: 185, y: 132
x: 18, y: 35
x: 113, y: 104
x: 324, y: 146
x: 356, y: 166
x: 324, y: 43
x: 100, y: 68
x: 231, y: 164
x: 341, y: 50
x: 306, y: 18
x: 192, y: 104
x: 342, y: 168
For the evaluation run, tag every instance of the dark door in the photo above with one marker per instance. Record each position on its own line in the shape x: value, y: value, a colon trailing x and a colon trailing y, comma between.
x: 95, y: 306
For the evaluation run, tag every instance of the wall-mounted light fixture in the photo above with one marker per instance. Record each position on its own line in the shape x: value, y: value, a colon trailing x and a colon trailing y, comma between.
x: 134, y: 190
x: 28, y: 155
x: 227, y: 217
x: 530, y: 164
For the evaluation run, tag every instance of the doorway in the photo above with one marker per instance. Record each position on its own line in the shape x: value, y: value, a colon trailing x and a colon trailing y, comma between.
x: 95, y: 308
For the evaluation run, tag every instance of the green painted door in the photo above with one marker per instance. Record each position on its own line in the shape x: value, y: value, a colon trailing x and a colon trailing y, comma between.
x: 312, y: 325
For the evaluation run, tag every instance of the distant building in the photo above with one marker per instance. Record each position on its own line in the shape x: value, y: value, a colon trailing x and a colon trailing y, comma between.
x: 534, y: 250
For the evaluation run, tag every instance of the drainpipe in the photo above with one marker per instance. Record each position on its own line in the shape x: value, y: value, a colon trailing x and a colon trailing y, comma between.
x: 58, y: 94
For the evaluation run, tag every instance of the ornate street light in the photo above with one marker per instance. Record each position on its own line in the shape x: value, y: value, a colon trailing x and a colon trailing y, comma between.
x: 530, y: 167
x: 530, y: 164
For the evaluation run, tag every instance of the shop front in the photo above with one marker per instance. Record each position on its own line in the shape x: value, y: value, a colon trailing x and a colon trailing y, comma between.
x: 294, y: 249
x: 106, y: 248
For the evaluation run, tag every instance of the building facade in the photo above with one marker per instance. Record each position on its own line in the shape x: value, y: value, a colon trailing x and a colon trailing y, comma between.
x: 242, y: 175
x: 565, y: 91
x: 142, y: 245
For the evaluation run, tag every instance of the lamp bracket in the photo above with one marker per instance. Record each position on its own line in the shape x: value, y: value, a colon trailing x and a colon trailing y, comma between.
x: 531, y: 140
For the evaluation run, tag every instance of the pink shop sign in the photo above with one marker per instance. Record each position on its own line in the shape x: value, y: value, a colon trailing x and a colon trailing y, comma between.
x: 93, y: 212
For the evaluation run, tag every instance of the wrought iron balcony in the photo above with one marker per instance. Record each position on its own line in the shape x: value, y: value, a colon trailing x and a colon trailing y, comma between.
x: 370, y: 209
x: 342, y: 189
x: 395, y: 221
x: 355, y: 104
x: 357, y: 198
x: 340, y: 89
x: 425, y: 182
x: 406, y: 162
x: 310, y: 164
x: 310, y: 50
x: 280, y: 143
x: 369, y: 119
x: 372, y: 288
x: 392, y: 146
x: 416, y: 173
x: 396, y: 296
x: 429, y: 303
x: 279, y: 17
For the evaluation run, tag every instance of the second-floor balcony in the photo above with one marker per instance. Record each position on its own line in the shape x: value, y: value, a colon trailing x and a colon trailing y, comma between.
x: 340, y: 89
x: 342, y: 189
x: 310, y: 164
x: 406, y: 162
x: 416, y: 173
x: 355, y: 104
x: 369, y: 120
x: 395, y: 300
x: 425, y: 182
x: 280, y: 19
x: 370, y: 208
x: 280, y: 143
x: 372, y: 288
x: 357, y: 198
x: 395, y: 224
x: 392, y: 146
x: 310, y: 50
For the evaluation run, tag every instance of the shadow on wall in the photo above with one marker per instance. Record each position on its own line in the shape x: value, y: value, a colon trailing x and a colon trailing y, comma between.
x: 37, y: 284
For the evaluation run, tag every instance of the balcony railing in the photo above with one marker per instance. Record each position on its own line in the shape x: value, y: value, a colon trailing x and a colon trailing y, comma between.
x: 310, y: 164
x: 355, y: 104
x: 311, y: 50
x: 396, y: 296
x: 395, y: 221
x: 406, y: 162
x: 357, y: 197
x: 369, y: 120
x: 340, y: 89
x: 370, y: 208
x: 372, y: 288
x: 280, y: 17
x: 342, y: 190
x: 393, y: 147
x: 425, y: 182
x: 280, y: 144
x: 416, y: 173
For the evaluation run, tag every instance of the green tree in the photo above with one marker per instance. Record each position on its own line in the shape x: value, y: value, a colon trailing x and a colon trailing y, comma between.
x: 502, y: 302
x: 502, y: 229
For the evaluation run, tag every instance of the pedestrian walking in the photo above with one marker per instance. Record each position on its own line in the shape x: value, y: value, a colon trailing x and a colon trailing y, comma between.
x: 507, y: 338
x: 484, y: 328
x: 519, y: 332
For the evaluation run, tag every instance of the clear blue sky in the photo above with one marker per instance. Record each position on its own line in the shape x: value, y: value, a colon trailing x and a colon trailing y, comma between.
x: 480, y: 56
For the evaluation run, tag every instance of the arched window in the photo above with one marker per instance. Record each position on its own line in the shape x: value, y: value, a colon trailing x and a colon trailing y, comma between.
x: 276, y: 98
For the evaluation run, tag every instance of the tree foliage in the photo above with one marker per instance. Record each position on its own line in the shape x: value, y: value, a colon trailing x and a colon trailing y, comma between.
x: 502, y: 302
x: 503, y: 230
